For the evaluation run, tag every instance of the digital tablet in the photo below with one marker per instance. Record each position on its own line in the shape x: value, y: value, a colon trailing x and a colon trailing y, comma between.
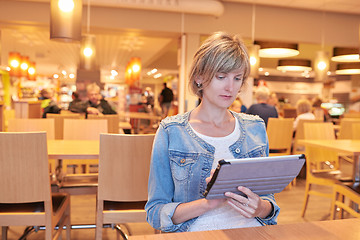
x: 262, y: 175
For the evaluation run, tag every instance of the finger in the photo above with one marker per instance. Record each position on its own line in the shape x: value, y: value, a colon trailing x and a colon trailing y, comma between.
x: 237, y: 197
x: 243, y: 210
x: 247, y: 192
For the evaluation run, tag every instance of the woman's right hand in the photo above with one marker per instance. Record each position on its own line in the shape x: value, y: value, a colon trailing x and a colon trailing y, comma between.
x: 213, y: 203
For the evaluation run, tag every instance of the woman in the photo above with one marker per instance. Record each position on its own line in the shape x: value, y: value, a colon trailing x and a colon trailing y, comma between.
x: 303, y: 109
x: 187, y: 146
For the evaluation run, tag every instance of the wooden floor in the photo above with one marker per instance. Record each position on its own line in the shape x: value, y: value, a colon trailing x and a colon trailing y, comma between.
x: 290, y: 201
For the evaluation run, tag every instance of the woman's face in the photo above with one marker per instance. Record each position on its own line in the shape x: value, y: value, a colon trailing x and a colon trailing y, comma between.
x: 223, y: 88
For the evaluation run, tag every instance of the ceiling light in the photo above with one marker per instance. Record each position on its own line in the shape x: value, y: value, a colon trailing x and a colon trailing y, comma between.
x: 71, y: 75
x: 341, y: 54
x: 65, y: 20
x: 254, y: 60
x: 348, y: 68
x: 321, y: 65
x: 66, y: 5
x: 157, y: 75
x: 114, y: 73
x: 56, y: 75
x: 277, y: 49
x: 295, y: 65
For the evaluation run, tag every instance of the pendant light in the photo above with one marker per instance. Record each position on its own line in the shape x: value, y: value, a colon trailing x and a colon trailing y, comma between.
x: 294, y: 65
x: 254, y: 50
x: 342, y: 54
x: 65, y: 20
x: 348, y: 68
x: 88, y: 46
x: 277, y: 49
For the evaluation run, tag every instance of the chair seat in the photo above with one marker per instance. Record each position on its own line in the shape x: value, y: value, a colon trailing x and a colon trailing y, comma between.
x: 78, y: 184
x: 353, y: 186
x: 57, y: 200
x: 335, y: 175
x: 80, y: 180
x: 112, y: 205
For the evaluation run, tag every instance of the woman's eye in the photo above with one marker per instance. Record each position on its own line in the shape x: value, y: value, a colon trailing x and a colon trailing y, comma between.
x: 220, y: 77
x: 238, y: 78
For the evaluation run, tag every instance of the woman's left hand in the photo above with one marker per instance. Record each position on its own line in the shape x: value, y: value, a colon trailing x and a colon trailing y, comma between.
x: 250, y: 207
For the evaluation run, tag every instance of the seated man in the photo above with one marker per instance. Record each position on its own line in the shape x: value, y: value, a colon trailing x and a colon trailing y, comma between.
x: 96, y: 103
x: 261, y: 108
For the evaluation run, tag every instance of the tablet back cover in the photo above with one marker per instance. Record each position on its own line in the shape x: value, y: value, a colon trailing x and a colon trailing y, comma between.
x: 261, y: 175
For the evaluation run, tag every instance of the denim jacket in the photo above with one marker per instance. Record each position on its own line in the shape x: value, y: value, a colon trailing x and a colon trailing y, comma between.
x: 181, y: 161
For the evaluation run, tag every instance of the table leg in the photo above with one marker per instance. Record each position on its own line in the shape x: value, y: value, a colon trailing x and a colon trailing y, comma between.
x: 356, y: 169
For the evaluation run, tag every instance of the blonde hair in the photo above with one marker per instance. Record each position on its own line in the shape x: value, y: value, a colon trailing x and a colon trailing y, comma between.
x: 303, y: 106
x: 221, y: 52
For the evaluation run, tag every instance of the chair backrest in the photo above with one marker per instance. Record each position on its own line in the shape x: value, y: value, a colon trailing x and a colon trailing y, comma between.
x: 318, y: 131
x: 300, y: 127
x: 280, y: 131
x: 59, y: 122
x: 84, y: 129
x: 356, y: 131
x: 24, y: 169
x: 352, y: 115
x: 32, y: 125
x: 124, y: 165
x: 112, y: 120
x: 320, y: 158
x: 290, y: 112
x: 346, y: 131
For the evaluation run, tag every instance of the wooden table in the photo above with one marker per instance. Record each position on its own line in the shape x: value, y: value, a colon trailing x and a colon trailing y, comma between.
x: 342, y: 146
x: 346, y: 229
x: 73, y: 149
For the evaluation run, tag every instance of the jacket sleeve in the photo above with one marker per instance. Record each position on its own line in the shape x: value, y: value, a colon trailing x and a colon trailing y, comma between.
x: 160, y: 207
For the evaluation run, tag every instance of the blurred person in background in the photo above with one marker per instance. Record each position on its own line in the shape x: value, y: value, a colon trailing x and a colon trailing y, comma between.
x: 262, y: 108
x: 96, y: 103
x: 238, y: 106
x: 48, y: 105
x: 303, y: 110
x: 166, y: 98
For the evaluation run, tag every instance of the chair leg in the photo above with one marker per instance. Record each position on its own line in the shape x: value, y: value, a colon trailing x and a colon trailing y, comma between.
x: 306, y: 199
x: 333, y: 205
x: 68, y: 224
x: 121, y: 232
x: 4, y: 232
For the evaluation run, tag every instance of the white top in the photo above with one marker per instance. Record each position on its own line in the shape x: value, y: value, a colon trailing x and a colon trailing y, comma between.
x: 225, y: 216
x: 307, y: 116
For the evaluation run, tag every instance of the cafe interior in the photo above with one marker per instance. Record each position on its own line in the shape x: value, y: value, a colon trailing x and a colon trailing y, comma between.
x: 298, y: 49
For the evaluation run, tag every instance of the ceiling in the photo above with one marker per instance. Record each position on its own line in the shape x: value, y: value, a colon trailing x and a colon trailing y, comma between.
x: 114, y: 50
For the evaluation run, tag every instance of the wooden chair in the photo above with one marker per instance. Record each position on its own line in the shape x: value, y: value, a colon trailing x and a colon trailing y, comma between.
x: 112, y: 120
x: 35, y: 125
x: 32, y: 125
x: 290, y: 112
x: 124, y: 160
x: 299, y: 134
x: 346, y: 131
x: 356, y: 131
x: 352, y: 115
x: 82, y: 129
x: 322, y: 166
x: 59, y: 122
x: 341, y: 193
x: 26, y: 198
x: 280, y: 131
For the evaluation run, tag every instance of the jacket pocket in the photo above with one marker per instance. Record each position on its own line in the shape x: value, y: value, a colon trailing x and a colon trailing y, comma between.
x: 181, y: 166
x: 257, y: 152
